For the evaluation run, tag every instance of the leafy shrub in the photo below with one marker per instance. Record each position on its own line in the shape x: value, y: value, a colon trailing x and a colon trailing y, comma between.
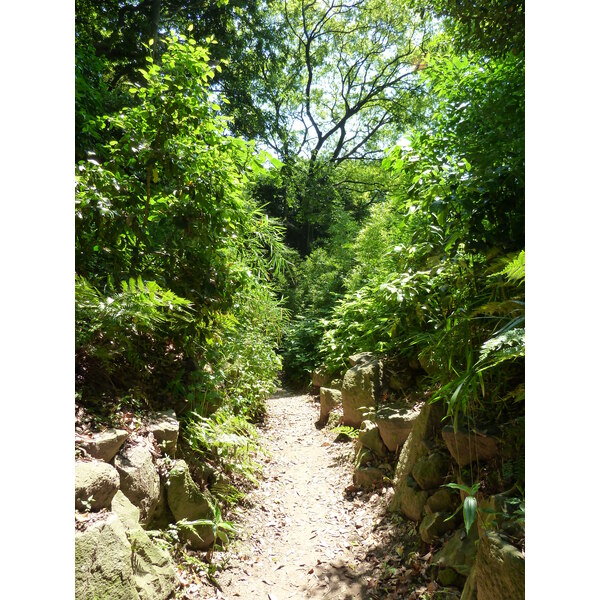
x: 133, y: 340
x: 163, y: 203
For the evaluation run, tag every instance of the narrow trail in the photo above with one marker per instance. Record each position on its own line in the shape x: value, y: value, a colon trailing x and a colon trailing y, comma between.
x: 303, y: 536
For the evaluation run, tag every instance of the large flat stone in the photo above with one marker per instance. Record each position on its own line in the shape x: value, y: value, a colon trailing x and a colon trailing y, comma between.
x: 467, y: 447
x: 103, y: 565
x: 103, y: 445
x: 395, y: 422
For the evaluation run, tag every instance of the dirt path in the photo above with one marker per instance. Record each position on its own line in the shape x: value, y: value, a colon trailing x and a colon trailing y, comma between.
x: 303, y: 536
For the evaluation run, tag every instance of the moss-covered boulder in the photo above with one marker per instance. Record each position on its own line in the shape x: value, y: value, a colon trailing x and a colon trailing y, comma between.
x: 458, y: 552
x: 414, y: 447
x: 359, y: 391
x: 153, y: 570
x: 410, y: 500
x: 103, y: 562
x: 447, y: 577
x: 367, y: 478
x: 369, y: 437
x: 103, y: 445
x: 140, y: 481
x: 430, y: 471
x: 433, y: 526
x: 329, y: 399
x: 500, y: 569
x: 442, y: 500
x: 128, y: 513
x: 187, y: 501
x: 96, y: 483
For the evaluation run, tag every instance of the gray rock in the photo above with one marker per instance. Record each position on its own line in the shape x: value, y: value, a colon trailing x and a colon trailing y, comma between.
x: 140, y: 481
x: 187, y: 501
x: 467, y: 447
x: 430, y: 471
x: 320, y: 377
x: 103, y: 445
x: 395, y: 422
x: 415, y: 447
x: 96, y: 483
x: 329, y: 399
x: 431, y: 364
x: 165, y: 428
x: 447, y: 577
x: 359, y: 391
x: 500, y: 569
x: 400, y: 379
x: 162, y: 516
x: 128, y: 513
x: 103, y: 565
x: 369, y: 437
x: 363, y: 457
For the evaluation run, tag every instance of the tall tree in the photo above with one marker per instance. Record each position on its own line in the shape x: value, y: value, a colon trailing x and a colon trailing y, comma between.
x: 345, y: 73
x: 115, y: 31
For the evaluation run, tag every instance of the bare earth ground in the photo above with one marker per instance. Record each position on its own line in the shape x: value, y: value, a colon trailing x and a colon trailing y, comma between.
x: 304, y: 535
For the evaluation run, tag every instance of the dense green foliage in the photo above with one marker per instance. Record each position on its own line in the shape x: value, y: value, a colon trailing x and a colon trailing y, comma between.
x: 390, y: 217
x: 161, y: 205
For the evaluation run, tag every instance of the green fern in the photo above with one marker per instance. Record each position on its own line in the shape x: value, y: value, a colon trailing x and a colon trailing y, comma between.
x: 226, y: 438
x: 503, y: 347
x: 515, y: 271
x: 346, y: 431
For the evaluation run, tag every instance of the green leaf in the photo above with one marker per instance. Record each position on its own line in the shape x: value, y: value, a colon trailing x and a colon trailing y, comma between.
x: 469, y: 511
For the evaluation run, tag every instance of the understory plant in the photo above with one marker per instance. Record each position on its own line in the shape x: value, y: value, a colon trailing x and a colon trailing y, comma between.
x: 220, y: 527
x: 226, y: 440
